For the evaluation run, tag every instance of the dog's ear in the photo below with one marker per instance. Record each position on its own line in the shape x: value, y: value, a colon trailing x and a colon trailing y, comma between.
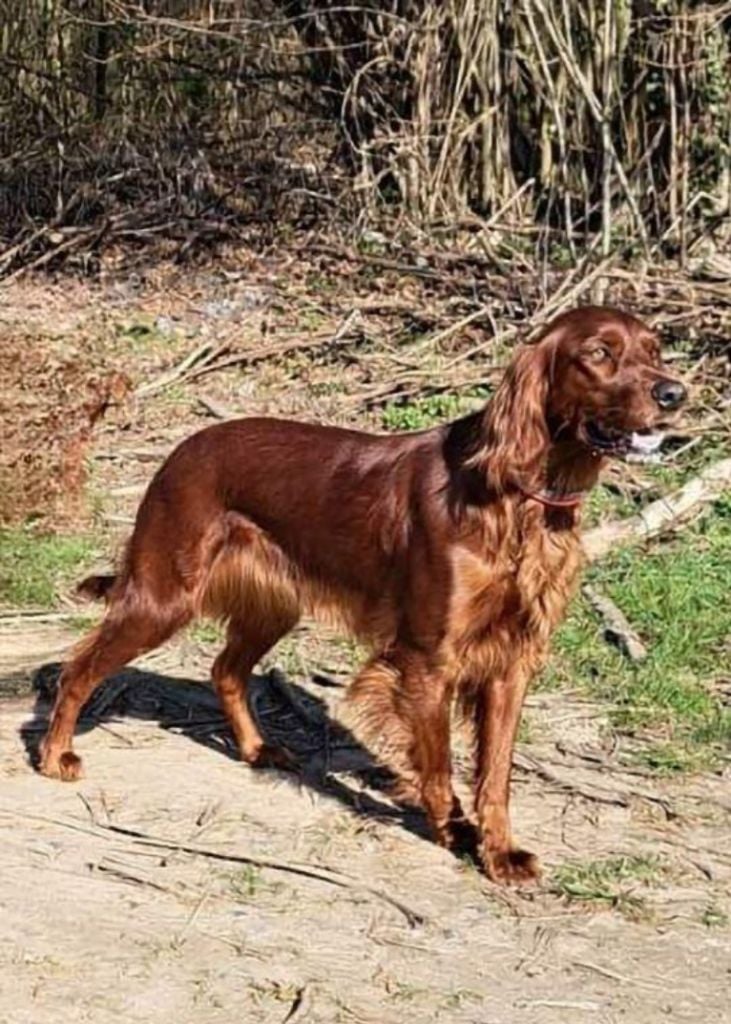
x: 515, y: 429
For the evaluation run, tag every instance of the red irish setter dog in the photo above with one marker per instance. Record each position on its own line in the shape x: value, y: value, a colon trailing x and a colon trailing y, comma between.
x: 452, y: 552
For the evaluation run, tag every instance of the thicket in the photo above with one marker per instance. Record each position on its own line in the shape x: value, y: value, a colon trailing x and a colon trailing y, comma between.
x: 572, y: 122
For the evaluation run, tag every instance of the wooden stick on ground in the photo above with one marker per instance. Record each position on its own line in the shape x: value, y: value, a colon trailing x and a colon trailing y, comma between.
x: 661, y: 515
x: 322, y: 874
x: 617, y: 628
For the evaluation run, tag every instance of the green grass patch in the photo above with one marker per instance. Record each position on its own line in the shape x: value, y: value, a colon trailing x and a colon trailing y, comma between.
x: 143, y: 334
x: 677, y: 597
x: 673, y: 757
x: 207, y: 631
x: 33, y: 566
x: 603, y: 504
x: 459, y: 998
x: 421, y: 413
x: 247, y: 883
x: 714, y: 917
x: 610, y: 881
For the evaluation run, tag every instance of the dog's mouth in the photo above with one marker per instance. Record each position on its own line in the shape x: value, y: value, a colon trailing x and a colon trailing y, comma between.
x: 611, y: 441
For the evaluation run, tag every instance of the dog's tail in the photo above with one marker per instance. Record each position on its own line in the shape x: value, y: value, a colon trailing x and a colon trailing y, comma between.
x: 96, y: 588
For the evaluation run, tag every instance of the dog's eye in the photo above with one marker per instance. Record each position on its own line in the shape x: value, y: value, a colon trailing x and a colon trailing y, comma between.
x: 598, y: 353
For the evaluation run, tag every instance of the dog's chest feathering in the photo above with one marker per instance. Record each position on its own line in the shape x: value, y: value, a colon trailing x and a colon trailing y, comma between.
x: 511, y: 596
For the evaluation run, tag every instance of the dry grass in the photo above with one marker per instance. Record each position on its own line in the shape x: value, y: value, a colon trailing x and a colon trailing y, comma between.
x: 51, y: 399
x: 552, y: 128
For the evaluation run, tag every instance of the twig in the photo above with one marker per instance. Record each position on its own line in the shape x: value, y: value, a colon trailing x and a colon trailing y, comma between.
x: 345, y: 326
x: 661, y: 514
x: 140, y: 454
x: 599, y: 763
x: 205, y: 360
x: 178, y: 940
x: 565, y: 295
x: 16, y: 615
x: 458, y: 325
x: 9, y: 254
x: 128, y: 490
x: 615, y: 975
x: 617, y: 628
x: 373, y: 261
x: 135, y: 877
x: 200, y: 356
x: 221, y: 412
x: 322, y: 874
x: 556, y: 1004
x: 300, y: 1007
x: 76, y: 240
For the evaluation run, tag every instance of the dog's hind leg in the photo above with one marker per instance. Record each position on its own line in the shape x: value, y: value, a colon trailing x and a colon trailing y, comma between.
x: 399, y: 706
x: 125, y: 633
x: 247, y: 643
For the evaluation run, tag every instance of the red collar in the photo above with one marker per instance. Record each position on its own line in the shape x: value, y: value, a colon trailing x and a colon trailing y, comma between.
x: 553, y: 500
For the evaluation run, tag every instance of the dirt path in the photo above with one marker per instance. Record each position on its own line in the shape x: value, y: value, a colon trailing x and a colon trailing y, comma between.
x: 124, y: 930
x: 632, y: 922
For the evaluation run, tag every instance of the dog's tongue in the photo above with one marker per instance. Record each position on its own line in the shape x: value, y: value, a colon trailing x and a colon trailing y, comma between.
x: 646, y: 444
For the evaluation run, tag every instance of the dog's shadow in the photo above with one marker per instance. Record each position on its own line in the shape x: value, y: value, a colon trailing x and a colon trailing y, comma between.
x: 328, y: 757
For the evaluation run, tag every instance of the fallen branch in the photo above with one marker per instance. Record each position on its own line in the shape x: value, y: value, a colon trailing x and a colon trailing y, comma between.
x: 134, y: 877
x: 198, y: 358
x: 617, y: 628
x: 140, y: 454
x: 207, y: 359
x: 566, y: 294
x: 77, y: 240
x: 320, y: 340
x: 614, y: 975
x: 663, y: 514
x: 8, y: 255
x: 322, y: 874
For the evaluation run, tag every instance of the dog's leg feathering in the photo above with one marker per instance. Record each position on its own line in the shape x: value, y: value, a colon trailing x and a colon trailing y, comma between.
x: 400, y: 708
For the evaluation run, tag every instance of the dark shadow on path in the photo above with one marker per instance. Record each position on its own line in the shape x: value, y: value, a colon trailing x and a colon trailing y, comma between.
x: 328, y: 758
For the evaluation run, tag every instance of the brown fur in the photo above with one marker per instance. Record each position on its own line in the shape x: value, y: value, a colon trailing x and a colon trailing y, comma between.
x: 430, y: 547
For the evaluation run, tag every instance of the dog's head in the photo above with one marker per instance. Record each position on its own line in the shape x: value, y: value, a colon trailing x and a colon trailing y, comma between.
x: 594, y: 379
x: 605, y: 382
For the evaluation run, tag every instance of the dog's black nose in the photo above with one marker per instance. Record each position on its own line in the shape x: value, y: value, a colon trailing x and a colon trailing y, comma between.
x: 669, y: 394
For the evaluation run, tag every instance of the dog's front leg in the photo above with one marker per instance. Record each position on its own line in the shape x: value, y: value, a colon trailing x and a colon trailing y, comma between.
x: 497, y: 715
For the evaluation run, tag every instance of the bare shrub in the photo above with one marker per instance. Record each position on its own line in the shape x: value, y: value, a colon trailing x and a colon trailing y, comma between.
x: 186, y: 118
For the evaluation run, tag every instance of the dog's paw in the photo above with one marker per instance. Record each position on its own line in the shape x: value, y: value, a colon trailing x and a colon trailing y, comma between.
x: 268, y: 756
x: 67, y: 767
x: 511, y: 867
